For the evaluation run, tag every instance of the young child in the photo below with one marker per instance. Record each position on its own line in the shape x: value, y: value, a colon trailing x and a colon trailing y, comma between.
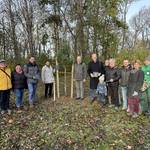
x: 101, y: 90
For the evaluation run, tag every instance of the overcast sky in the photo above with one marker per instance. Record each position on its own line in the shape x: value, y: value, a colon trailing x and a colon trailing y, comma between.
x: 136, y: 7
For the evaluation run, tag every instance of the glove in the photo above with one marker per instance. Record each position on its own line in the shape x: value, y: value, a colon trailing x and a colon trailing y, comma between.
x: 111, y: 80
x: 135, y: 93
x: 91, y: 74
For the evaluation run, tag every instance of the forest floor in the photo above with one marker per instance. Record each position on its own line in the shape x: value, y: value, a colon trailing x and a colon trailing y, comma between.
x: 73, y: 125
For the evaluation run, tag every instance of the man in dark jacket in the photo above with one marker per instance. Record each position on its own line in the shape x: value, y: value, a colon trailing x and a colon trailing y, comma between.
x: 32, y: 72
x: 112, y: 79
x: 95, y: 70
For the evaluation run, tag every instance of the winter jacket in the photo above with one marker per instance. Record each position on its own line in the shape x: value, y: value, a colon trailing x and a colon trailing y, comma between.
x: 102, y: 89
x: 5, y: 79
x: 124, y: 76
x: 19, y: 81
x: 95, y: 68
x: 47, y: 74
x: 135, y: 82
x: 32, y: 73
x: 146, y: 70
x: 112, y: 73
x: 80, y: 72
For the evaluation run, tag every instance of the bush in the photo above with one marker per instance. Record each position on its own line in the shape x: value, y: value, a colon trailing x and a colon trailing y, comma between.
x: 132, y: 55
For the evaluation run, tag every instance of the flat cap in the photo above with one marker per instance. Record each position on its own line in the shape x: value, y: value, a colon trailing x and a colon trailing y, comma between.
x: 2, y: 60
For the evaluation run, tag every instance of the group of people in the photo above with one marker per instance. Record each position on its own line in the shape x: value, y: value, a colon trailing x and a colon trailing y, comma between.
x: 22, y: 78
x: 127, y: 86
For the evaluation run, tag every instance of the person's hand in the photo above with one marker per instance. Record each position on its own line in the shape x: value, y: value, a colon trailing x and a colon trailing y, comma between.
x: 91, y: 74
x: 99, y: 74
x: 84, y: 80
x: 111, y: 80
x: 135, y: 93
x: 34, y: 77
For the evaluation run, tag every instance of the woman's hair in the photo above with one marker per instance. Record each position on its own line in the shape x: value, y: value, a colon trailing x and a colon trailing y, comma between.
x: 137, y: 61
x: 17, y: 65
x: 93, y: 53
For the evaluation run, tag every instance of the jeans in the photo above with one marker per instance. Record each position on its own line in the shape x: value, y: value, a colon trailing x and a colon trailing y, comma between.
x: 48, y: 89
x: 19, y: 97
x: 124, y: 97
x: 93, y: 94
x: 4, y: 99
x: 32, y: 92
x: 79, y: 89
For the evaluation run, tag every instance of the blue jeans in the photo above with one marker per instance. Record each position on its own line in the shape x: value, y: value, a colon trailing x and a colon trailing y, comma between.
x: 19, y: 97
x: 92, y: 94
x: 124, y: 97
x: 32, y: 92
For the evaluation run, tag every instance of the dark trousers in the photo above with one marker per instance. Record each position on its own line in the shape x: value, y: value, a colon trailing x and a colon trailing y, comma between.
x: 4, y: 99
x: 48, y: 89
x: 113, y: 93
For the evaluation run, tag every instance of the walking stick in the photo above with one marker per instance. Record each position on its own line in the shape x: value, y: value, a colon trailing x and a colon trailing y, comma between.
x: 54, y: 91
x: 72, y: 72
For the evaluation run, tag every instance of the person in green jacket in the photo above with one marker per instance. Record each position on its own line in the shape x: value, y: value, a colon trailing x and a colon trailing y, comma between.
x: 145, y: 97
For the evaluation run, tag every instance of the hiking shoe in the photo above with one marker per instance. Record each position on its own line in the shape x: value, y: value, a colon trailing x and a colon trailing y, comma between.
x: 2, y: 112
x: 93, y: 100
x: 9, y: 112
x: 19, y: 110
x: 110, y: 106
x: 129, y: 114
x: 135, y: 116
x: 124, y: 108
x: 128, y: 110
x: 116, y: 108
x: 147, y: 113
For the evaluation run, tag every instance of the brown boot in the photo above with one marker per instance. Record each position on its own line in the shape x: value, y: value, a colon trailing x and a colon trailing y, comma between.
x: 19, y: 110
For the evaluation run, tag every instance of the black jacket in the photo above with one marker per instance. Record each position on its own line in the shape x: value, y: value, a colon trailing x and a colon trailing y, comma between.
x: 135, y: 82
x: 124, y: 76
x: 112, y: 73
x: 97, y: 67
x: 19, y: 81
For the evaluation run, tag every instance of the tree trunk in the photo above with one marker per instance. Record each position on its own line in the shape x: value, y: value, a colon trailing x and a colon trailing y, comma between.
x: 13, y: 31
x: 72, y: 78
x: 57, y: 79
x: 54, y: 96
x: 65, y: 81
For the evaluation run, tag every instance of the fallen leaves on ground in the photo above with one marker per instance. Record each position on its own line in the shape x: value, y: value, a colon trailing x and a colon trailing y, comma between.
x: 72, y: 125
